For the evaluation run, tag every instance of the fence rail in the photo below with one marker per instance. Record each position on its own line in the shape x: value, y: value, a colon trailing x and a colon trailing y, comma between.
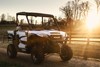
x: 82, y: 45
x: 89, y: 46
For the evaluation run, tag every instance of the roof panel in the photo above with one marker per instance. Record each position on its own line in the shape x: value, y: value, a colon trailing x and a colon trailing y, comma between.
x: 34, y: 14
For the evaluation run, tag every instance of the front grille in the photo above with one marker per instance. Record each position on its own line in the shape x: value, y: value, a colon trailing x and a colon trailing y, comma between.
x: 56, y: 37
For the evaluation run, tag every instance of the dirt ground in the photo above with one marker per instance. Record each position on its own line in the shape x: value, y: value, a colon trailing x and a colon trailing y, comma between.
x: 52, y: 60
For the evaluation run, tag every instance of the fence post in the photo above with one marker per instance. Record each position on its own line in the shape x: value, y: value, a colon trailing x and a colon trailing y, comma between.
x: 88, y: 40
x: 70, y: 34
x: 70, y: 38
x: 86, y: 47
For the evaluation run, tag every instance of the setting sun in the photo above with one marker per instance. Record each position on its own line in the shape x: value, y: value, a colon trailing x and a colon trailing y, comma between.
x: 92, y: 20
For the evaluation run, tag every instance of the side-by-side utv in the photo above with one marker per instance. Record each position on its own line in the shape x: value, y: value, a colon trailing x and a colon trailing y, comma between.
x: 38, y: 34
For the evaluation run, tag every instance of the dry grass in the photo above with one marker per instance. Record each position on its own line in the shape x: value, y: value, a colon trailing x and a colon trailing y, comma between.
x: 23, y: 60
x: 52, y: 60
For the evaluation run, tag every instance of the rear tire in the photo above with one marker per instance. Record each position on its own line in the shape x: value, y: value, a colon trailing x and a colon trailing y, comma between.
x: 11, y: 51
x: 37, y: 57
x: 66, y: 53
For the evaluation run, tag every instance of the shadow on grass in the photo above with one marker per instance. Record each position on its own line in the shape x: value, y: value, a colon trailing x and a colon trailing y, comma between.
x: 6, y: 64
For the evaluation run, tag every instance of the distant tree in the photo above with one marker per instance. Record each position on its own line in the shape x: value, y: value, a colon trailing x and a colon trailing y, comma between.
x: 69, y: 14
x: 75, y: 7
x: 10, y: 18
x: 98, y: 4
x: 61, y: 22
x: 3, y: 17
x: 13, y: 19
x: 7, y: 19
x: 67, y: 10
x: 83, y: 8
x: 21, y: 21
x: 75, y: 10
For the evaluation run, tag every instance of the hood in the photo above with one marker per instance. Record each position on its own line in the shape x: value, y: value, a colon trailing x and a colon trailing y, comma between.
x: 43, y: 33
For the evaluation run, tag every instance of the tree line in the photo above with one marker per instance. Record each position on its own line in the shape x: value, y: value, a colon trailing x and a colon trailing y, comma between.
x: 75, y: 12
x: 7, y: 19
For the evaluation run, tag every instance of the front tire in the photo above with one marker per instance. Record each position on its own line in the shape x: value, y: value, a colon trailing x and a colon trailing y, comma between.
x: 37, y: 57
x: 66, y: 53
x: 11, y: 51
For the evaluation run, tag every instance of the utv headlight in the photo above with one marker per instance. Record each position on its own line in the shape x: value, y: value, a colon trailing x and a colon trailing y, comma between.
x: 64, y: 35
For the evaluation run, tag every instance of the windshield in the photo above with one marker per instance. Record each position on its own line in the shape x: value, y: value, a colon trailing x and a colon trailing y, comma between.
x: 37, y: 23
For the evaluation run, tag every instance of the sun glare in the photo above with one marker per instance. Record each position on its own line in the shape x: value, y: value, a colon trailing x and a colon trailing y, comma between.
x: 92, y: 20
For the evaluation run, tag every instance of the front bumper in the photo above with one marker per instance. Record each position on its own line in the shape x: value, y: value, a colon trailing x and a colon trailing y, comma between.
x: 58, y: 39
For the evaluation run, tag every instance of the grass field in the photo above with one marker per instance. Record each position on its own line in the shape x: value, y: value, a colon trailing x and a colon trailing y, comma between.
x: 51, y: 60
x: 92, y: 51
x: 7, y: 64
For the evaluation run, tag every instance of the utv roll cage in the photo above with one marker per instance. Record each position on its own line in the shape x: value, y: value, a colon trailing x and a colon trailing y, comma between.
x: 36, y: 15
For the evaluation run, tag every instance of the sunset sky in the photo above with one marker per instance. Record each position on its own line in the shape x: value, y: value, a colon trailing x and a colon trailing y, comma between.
x: 44, y: 6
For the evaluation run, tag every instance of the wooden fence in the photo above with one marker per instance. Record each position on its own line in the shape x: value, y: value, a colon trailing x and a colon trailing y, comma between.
x: 83, y: 44
x: 3, y: 31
